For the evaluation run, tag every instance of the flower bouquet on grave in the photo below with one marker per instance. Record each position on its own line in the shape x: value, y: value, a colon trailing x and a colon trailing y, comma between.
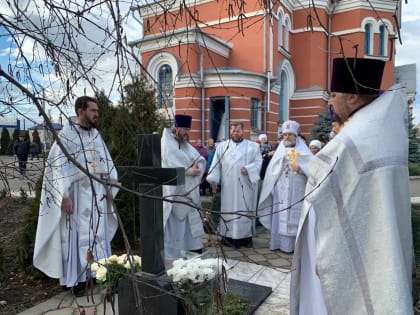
x: 199, y: 283
x: 108, y: 271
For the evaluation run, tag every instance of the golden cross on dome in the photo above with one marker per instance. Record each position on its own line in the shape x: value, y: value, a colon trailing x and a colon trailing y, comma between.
x: 292, y: 157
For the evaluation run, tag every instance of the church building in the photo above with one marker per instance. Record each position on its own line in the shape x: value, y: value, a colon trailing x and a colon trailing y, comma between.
x: 259, y: 62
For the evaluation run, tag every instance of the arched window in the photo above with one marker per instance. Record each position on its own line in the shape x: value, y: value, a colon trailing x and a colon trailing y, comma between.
x: 165, y: 86
x: 382, y: 40
x: 286, y: 32
x: 280, y: 29
x: 368, y: 39
x: 283, y: 98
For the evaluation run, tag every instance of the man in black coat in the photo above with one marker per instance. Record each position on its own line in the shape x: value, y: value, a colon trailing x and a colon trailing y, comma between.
x: 21, y: 149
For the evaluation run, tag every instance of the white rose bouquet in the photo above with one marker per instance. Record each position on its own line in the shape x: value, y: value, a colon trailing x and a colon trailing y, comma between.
x: 108, y: 271
x: 199, y: 282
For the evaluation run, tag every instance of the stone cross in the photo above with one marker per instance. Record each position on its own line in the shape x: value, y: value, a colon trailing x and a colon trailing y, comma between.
x: 151, y: 176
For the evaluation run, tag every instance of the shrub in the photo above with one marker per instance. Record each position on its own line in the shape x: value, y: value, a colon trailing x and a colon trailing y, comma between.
x: 414, y: 169
x: 26, y: 238
x: 2, y: 270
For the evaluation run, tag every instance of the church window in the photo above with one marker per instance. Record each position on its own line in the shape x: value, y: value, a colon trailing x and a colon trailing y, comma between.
x: 255, y: 114
x: 382, y: 40
x: 280, y: 29
x: 286, y: 32
x: 283, y: 98
x: 165, y: 86
x: 368, y: 39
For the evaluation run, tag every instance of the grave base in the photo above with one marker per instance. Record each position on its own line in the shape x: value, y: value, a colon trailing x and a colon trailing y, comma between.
x: 155, y: 299
x: 255, y: 294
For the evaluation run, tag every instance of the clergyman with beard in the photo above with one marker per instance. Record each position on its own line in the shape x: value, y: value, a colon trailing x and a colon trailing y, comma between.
x: 183, y: 227
x: 283, y: 189
x: 77, y: 220
x: 236, y: 165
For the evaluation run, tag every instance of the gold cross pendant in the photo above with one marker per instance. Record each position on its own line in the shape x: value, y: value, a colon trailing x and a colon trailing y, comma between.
x: 292, y: 157
x: 94, y: 166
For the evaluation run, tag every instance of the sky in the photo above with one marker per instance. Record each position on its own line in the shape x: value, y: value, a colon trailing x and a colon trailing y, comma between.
x: 407, y: 53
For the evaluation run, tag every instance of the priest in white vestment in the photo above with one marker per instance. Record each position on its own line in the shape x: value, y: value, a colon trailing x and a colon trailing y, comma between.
x: 354, y: 250
x: 183, y: 226
x: 236, y: 165
x: 283, y: 189
x: 76, y: 215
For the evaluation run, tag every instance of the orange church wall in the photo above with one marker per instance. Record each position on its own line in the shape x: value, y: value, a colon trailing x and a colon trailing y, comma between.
x: 309, y: 59
x: 251, y: 42
x: 300, y: 18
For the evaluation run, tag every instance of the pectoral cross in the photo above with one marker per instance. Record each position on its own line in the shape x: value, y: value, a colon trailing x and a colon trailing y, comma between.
x: 292, y: 157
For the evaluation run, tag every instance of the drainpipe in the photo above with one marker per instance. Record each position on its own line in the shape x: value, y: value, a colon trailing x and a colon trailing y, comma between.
x: 265, y: 42
x: 203, y: 94
x: 270, y: 67
x: 329, y: 46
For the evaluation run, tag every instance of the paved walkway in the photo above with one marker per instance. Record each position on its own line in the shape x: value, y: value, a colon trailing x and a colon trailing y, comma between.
x: 255, y: 265
x: 11, y: 181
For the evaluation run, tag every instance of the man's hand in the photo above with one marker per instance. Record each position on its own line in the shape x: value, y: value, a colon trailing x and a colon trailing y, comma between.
x: 67, y: 205
x: 244, y: 171
x: 214, y: 187
x: 196, y: 170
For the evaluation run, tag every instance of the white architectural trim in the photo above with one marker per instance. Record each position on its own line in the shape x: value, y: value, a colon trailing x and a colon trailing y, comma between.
x: 288, y: 4
x: 287, y: 67
x: 183, y: 37
x: 153, y: 66
x: 370, y: 20
x: 379, y: 5
x: 308, y: 29
x: 158, y: 60
x: 310, y: 95
x: 238, y: 79
x: 159, y: 7
x: 224, y: 78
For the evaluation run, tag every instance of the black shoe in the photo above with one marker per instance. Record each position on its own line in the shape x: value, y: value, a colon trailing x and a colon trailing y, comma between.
x: 79, y: 290
x: 248, y: 245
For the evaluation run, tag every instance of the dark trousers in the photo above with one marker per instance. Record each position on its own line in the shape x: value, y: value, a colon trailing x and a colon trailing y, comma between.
x: 22, y: 158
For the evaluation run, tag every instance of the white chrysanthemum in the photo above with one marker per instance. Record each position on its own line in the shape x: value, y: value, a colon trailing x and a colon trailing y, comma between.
x: 94, y: 267
x: 113, y: 258
x: 102, y: 262
x: 122, y: 259
x: 127, y: 265
x: 101, y: 273
x: 195, y: 270
x: 137, y: 260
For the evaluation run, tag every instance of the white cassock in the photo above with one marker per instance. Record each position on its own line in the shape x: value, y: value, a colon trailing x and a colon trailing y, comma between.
x: 355, y: 227
x: 63, y: 241
x: 281, y: 190
x: 183, y: 226
x: 239, y: 192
